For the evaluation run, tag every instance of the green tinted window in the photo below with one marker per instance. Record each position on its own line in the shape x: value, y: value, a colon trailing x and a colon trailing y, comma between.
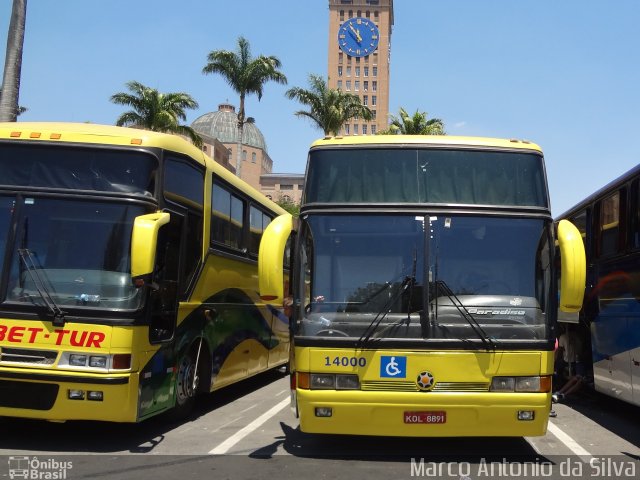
x: 409, y: 175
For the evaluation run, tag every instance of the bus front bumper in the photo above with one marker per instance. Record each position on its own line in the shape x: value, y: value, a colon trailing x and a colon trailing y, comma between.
x: 44, y: 395
x: 423, y: 414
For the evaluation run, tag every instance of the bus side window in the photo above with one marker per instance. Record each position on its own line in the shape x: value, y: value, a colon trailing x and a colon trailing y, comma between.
x: 635, y: 209
x: 609, y: 226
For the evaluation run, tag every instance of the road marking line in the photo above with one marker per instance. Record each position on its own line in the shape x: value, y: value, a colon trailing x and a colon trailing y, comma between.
x: 225, y: 446
x: 574, y: 446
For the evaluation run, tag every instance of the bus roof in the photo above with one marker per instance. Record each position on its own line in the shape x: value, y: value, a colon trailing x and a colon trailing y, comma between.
x: 98, y: 134
x: 430, y: 140
x: 91, y: 133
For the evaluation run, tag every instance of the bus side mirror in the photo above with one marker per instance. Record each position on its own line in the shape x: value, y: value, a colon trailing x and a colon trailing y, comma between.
x: 573, y: 265
x: 144, y: 242
x: 270, y: 259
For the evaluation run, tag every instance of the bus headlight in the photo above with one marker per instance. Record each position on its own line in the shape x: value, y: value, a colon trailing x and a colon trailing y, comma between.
x: 76, y: 360
x: 535, y: 384
x: 527, y: 384
x: 323, y: 381
x: 347, y: 382
x: 503, y: 384
x: 98, y: 361
x: 329, y: 381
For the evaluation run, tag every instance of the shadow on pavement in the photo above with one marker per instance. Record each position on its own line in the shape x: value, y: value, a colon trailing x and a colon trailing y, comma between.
x: 615, y: 415
x: 104, y: 437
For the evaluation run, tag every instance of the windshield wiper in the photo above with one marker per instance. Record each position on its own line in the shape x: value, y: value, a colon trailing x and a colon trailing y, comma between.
x: 477, y: 328
x: 27, y: 258
x: 367, y: 335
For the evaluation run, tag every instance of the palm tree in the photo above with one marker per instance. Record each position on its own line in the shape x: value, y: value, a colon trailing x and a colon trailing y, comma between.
x: 152, y: 110
x: 21, y: 109
x: 330, y: 108
x: 245, y: 75
x: 404, y: 124
x: 9, y: 109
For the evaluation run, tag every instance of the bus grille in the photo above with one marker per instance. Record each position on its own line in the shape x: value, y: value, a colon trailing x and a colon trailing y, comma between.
x: 391, y: 386
x: 460, y: 387
x: 405, y: 386
x: 34, y: 396
x: 27, y: 356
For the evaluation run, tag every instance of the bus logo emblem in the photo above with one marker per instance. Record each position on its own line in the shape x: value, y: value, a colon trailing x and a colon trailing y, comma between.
x: 425, y: 381
x: 393, y: 367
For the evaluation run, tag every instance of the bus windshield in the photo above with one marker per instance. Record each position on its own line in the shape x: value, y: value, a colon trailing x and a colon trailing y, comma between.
x: 425, y: 277
x: 74, y: 168
x: 411, y: 175
x: 78, y: 251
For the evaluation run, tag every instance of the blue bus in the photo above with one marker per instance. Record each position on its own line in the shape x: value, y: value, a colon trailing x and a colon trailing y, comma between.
x: 609, y: 222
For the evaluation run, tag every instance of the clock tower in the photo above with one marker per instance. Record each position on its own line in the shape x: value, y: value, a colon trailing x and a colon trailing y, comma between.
x: 359, y: 56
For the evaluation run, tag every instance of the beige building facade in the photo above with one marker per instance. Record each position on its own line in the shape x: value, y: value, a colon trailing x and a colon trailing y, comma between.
x: 282, y: 186
x: 359, y: 57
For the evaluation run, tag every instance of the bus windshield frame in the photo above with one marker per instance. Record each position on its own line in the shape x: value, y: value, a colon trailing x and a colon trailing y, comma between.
x: 361, y: 278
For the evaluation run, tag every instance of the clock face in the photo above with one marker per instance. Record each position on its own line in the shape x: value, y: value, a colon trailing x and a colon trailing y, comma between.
x: 358, y: 37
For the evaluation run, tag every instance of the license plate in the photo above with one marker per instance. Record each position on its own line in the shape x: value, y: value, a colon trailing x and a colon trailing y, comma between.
x: 425, y: 417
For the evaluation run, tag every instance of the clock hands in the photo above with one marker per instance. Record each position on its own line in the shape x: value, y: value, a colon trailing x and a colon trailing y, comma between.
x: 356, y: 32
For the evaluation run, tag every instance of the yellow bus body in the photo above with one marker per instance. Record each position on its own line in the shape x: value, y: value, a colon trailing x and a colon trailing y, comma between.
x: 465, y: 398
x: 463, y: 377
x: 148, y: 385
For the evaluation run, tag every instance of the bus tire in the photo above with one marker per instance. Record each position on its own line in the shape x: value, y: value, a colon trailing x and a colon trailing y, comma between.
x: 186, y: 391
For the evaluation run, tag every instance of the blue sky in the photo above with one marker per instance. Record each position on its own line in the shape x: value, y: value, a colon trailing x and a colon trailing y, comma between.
x: 564, y: 74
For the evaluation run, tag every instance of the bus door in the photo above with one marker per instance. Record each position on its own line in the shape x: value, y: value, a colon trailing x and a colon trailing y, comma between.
x: 157, y: 378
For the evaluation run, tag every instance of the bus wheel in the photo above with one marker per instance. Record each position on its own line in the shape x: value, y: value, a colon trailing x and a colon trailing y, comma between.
x: 186, y: 387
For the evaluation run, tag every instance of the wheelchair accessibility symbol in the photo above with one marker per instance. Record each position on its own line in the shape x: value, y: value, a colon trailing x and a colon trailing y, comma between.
x: 393, y: 367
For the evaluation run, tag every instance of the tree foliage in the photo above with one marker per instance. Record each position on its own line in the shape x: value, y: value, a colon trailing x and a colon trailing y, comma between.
x: 329, y: 108
x: 289, y: 205
x: 416, y: 124
x: 246, y: 75
x: 152, y: 110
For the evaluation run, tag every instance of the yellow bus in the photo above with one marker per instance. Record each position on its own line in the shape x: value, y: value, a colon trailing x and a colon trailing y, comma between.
x: 129, y: 274
x: 424, y: 299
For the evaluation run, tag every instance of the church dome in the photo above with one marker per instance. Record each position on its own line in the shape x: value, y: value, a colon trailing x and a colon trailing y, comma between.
x: 223, y: 126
